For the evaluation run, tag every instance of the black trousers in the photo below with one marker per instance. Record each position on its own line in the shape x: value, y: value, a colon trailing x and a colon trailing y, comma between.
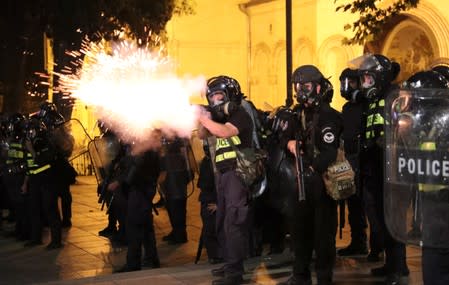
x: 177, y: 213
x: 356, y: 212
x: 435, y: 228
x: 209, y: 232
x: 140, y: 229
x: 232, y: 222
x: 43, y: 199
x: 435, y: 266
x: 13, y: 184
x: 314, y: 226
x: 66, y: 201
x: 372, y: 193
x: 395, y: 252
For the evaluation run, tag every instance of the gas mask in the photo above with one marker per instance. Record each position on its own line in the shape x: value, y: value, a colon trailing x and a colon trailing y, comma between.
x: 349, y: 90
x: 220, y: 107
x: 368, y: 85
x: 306, y: 94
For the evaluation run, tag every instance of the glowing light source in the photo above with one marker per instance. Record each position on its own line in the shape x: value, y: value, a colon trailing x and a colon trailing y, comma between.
x: 133, y: 89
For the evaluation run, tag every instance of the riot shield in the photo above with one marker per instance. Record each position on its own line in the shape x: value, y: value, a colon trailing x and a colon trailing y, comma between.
x: 416, y: 192
x: 102, y: 151
x: 78, y: 137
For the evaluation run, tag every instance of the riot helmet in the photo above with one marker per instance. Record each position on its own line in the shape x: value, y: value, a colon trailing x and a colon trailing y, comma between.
x: 376, y: 72
x: 411, y: 108
x: 430, y: 79
x: 34, y: 128
x: 306, y: 80
x: 226, y: 85
x: 349, y: 84
x: 15, y: 126
x: 50, y: 116
x: 442, y: 69
x: 223, y: 92
x: 46, y: 108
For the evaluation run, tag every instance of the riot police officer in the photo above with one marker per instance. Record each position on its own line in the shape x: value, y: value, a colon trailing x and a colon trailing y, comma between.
x: 63, y: 141
x: 40, y: 186
x: 314, y: 140
x: 352, y: 129
x: 208, y: 200
x: 430, y: 129
x: 174, y: 186
x: 227, y: 121
x: 138, y: 180
x: 377, y: 73
x: 14, y: 173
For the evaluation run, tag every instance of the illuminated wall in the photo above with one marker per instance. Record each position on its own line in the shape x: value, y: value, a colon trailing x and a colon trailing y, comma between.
x: 246, y: 39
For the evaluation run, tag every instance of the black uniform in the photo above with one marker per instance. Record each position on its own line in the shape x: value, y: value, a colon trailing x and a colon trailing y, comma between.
x: 315, y: 219
x: 208, y: 195
x: 139, y: 181
x: 352, y: 122
x: 13, y: 178
x: 42, y: 192
x: 175, y: 189
x: 232, y: 199
x: 373, y: 187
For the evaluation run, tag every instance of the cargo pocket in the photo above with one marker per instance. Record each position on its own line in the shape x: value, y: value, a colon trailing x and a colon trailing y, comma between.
x: 240, y: 215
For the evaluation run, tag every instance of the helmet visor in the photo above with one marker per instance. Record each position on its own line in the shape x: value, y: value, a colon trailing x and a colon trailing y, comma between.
x: 367, y: 80
x: 216, y: 98
x: 364, y: 62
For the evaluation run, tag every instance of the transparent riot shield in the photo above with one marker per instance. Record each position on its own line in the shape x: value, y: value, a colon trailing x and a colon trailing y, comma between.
x: 102, y: 151
x: 416, y: 194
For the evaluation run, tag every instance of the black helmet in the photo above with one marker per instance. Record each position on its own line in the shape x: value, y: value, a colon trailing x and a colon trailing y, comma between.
x: 15, y: 126
x: 49, y: 115
x: 430, y: 80
x: 442, y: 69
x: 305, y: 80
x: 46, y: 108
x: 307, y: 73
x: 376, y: 72
x: 228, y: 85
x: 426, y: 79
x: 349, y: 83
x: 34, y: 127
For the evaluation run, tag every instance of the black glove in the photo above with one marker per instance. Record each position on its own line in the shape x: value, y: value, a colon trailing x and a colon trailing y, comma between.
x: 218, y: 113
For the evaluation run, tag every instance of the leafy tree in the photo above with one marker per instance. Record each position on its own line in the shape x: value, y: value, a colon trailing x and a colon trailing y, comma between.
x: 67, y: 22
x: 373, y: 17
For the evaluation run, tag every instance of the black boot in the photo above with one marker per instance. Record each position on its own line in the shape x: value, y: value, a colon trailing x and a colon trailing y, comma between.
x: 353, y: 249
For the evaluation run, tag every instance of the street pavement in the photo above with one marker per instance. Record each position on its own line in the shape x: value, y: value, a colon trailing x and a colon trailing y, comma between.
x: 87, y: 258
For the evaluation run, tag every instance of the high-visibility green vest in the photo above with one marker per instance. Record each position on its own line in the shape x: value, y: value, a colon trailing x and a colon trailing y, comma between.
x: 33, y: 167
x: 375, y: 121
x: 429, y: 146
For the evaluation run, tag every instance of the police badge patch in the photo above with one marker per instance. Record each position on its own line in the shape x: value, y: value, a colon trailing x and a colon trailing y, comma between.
x: 328, y: 137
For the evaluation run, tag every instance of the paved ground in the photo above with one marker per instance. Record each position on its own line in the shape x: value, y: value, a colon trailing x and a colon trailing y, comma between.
x: 87, y: 258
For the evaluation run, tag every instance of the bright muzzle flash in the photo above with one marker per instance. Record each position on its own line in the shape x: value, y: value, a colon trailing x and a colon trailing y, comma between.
x: 134, y: 90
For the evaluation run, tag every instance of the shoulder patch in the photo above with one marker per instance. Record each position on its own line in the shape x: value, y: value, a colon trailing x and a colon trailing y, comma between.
x: 328, y: 137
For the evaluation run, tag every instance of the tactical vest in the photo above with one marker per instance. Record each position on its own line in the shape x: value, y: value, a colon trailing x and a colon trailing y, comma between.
x: 224, y: 153
x: 429, y: 146
x: 16, y: 162
x: 33, y: 168
x: 374, y: 125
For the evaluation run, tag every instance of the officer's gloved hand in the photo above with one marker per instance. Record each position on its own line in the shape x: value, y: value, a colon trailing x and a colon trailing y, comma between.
x: 230, y: 108
x: 218, y: 113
